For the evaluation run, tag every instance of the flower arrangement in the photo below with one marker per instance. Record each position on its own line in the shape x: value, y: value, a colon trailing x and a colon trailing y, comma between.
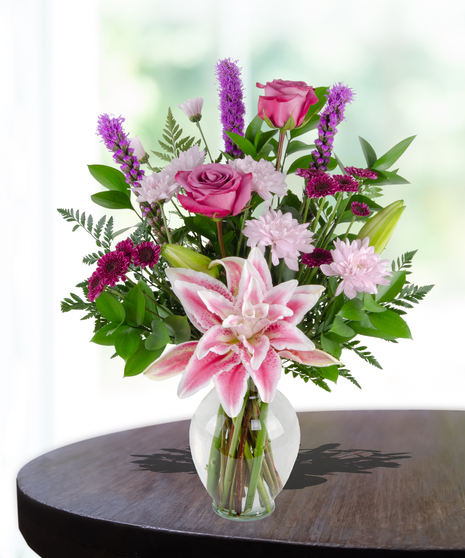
x: 243, y: 277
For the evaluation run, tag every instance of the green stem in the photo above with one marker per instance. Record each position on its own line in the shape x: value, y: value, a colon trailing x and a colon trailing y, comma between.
x: 204, y: 141
x: 219, y: 228
x: 261, y: 487
x: 318, y: 213
x: 258, y: 458
x: 281, y: 270
x: 350, y: 226
x: 167, y: 231
x: 241, y: 236
x: 282, y: 135
x: 307, y: 205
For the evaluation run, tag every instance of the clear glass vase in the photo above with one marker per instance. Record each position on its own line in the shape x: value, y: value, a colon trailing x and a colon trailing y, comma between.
x: 245, y: 461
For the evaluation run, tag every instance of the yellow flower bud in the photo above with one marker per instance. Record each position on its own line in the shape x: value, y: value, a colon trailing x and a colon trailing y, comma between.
x: 380, y: 227
x: 179, y: 256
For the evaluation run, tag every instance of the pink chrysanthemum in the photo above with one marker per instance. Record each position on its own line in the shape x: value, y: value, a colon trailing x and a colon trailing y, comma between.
x: 317, y: 258
x: 156, y: 187
x: 112, y: 267
x: 265, y: 179
x: 283, y: 233
x: 346, y: 183
x: 321, y: 185
x: 146, y: 254
x: 96, y: 285
x: 360, y: 209
x: 126, y: 247
x: 361, y: 173
x: 188, y: 160
x: 359, y: 266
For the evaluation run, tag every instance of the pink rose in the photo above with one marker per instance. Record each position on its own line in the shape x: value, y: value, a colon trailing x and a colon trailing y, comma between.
x: 214, y: 190
x: 285, y: 98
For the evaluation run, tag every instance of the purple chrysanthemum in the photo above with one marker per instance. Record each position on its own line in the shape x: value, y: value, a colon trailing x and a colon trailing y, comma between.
x: 96, y: 285
x: 361, y: 173
x: 346, y: 183
x: 338, y: 97
x: 321, y: 185
x: 360, y: 209
x: 116, y: 140
x: 113, y: 267
x: 146, y: 254
x: 317, y: 257
x: 126, y: 247
x: 231, y: 103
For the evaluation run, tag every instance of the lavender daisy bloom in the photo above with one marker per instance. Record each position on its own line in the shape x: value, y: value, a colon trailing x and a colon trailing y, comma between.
x: 338, y: 96
x: 116, y: 140
x: 231, y: 103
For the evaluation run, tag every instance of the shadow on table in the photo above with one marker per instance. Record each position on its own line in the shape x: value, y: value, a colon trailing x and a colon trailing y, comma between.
x: 310, y: 468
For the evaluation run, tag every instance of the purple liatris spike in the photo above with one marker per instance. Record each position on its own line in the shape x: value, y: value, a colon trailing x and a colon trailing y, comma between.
x: 116, y: 140
x: 338, y: 96
x: 231, y: 103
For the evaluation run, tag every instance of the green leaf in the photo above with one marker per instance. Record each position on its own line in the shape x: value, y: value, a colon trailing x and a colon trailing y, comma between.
x: 391, y: 323
x: 150, y: 306
x: 140, y: 361
x: 368, y: 152
x: 110, y: 307
x: 202, y: 225
x: 365, y: 327
x: 264, y: 138
x: 295, y: 146
x: 159, y: 337
x: 301, y: 163
x: 352, y: 310
x: 244, y: 144
x: 179, y: 328
x: 291, y: 200
x: 107, y: 334
x: 386, y: 293
x: 112, y: 200
x: 134, y: 304
x: 111, y: 178
x: 394, y: 178
x: 253, y: 128
x: 389, y: 158
x: 370, y: 305
x: 330, y: 372
x: 330, y: 346
x: 308, y: 127
x: 127, y: 342
x: 341, y: 329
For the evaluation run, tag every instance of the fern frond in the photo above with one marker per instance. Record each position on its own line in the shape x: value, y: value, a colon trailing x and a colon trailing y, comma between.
x: 362, y: 352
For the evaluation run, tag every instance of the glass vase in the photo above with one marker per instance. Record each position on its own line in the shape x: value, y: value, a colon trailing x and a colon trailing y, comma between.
x: 244, y: 461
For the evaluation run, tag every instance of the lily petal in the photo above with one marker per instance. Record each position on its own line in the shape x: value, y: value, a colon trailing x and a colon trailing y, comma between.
x: 198, y: 373
x: 173, y: 362
x: 231, y: 387
x: 217, y: 339
x: 233, y: 267
x: 257, y: 259
x: 195, y: 308
x: 198, y: 278
x: 217, y: 303
x: 253, y: 293
x: 310, y: 358
x: 248, y: 272
x: 304, y: 299
x: 266, y: 378
x: 258, y: 346
x: 283, y: 335
x: 282, y: 293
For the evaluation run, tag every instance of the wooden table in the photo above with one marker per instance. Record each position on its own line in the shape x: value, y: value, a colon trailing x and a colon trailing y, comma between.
x: 366, y: 483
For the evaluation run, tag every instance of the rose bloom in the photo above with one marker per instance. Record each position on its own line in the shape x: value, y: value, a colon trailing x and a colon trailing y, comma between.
x: 214, y: 190
x: 285, y: 98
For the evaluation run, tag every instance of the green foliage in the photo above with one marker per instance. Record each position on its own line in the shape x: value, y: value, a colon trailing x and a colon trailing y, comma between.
x: 362, y: 352
x: 404, y: 262
x: 96, y: 232
x: 111, y: 178
x: 174, y: 143
x: 346, y: 374
x: 410, y: 294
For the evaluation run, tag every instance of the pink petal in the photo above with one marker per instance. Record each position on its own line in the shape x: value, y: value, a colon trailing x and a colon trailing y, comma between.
x: 198, y: 373
x: 194, y: 306
x: 217, y: 304
x: 231, y: 387
x: 258, y: 261
x: 233, y: 267
x: 282, y: 293
x: 283, y: 335
x: 172, y: 362
x: 310, y: 358
x: 217, y: 339
x: 248, y: 272
x: 303, y: 300
x: 258, y: 346
x: 254, y: 292
x: 243, y: 193
x: 194, y: 207
x: 198, y: 278
x: 278, y: 312
x: 266, y: 378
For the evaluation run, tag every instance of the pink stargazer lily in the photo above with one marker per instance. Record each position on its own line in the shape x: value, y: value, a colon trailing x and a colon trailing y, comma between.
x: 248, y: 326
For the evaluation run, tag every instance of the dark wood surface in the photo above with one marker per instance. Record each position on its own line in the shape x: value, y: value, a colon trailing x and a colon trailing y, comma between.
x: 366, y: 483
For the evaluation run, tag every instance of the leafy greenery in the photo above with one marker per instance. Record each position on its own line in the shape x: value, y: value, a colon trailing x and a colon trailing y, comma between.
x: 173, y: 143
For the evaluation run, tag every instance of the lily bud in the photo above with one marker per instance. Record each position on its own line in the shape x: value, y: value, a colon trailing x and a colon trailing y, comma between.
x: 179, y: 256
x: 380, y: 227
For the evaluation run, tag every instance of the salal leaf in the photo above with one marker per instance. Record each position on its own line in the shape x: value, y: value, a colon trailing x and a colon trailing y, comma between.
x: 127, y: 342
x: 107, y: 334
x: 386, y: 293
x: 112, y: 200
x: 111, y: 178
x: 140, y: 361
x: 301, y: 163
x: 368, y: 152
x: 253, y: 128
x: 312, y: 123
x: 110, y: 307
x: 264, y: 139
x: 159, y: 337
x: 330, y: 372
x: 370, y: 305
x: 352, y: 310
x: 134, y: 304
x: 243, y: 143
x: 342, y: 329
x: 391, y: 323
x: 179, y: 328
x: 295, y: 146
x: 330, y: 346
x: 365, y: 327
x: 389, y: 158
x: 151, y: 310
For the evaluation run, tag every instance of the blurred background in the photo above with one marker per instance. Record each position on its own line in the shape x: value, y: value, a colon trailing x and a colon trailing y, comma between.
x: 64, y: 63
